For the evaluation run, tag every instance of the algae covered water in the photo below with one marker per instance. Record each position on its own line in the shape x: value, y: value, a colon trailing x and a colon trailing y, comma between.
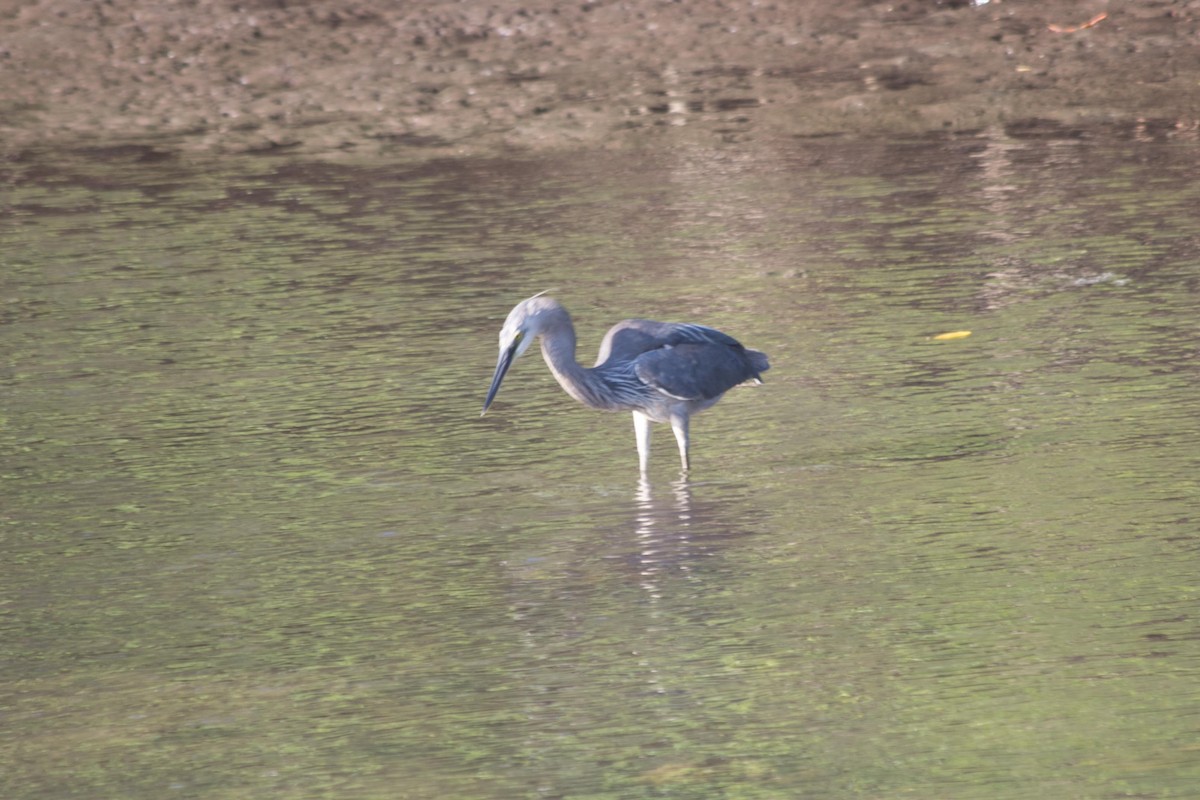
x: 258, y: 541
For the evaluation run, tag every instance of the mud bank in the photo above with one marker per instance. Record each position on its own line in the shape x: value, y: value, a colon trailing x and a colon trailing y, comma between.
x: 474, y: 77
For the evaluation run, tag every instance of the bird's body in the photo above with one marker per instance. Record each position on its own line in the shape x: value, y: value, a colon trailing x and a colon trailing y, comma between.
x: 661, y: 371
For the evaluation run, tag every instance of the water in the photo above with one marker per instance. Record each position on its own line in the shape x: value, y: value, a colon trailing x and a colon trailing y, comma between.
x: 259, y: 543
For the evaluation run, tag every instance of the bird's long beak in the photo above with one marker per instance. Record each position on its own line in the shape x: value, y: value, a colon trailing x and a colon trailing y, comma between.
x: 502, y: 365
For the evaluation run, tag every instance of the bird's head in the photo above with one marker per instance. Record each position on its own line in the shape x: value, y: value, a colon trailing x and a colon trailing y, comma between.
x: 522, y: 326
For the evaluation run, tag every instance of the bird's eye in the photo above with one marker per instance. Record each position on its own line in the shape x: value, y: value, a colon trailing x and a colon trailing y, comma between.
x: 517, y: 339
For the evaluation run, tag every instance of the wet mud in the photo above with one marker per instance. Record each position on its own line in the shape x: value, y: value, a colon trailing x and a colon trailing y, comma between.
x: 446, y: 77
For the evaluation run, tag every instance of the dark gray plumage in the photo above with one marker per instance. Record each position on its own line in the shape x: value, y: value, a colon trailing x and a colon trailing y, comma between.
x: 661, y: 371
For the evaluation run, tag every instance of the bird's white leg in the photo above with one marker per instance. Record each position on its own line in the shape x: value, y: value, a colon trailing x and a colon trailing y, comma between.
x: 641, y: 430
x: 679, y: 424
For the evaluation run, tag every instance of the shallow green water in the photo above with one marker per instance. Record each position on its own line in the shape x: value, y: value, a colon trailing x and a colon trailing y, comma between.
x: 258, y: 542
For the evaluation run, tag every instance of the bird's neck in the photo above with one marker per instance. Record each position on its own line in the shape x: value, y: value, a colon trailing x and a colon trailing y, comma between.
x: 558, y: 349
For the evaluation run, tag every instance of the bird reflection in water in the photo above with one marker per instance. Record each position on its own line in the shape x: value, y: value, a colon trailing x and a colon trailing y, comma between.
x: 662, y: 530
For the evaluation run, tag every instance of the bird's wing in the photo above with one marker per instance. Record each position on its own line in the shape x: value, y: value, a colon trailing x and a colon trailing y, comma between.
x: 690, y: 362
x: 628, y: 339
x: 753, y: 361
x: 694, y: 371
x: 683, y: 360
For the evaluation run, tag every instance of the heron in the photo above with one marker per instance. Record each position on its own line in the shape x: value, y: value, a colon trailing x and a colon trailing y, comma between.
x: 661, y: 371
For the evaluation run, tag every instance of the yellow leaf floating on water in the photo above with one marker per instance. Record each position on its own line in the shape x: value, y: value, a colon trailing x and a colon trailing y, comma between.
x: 945, y: 337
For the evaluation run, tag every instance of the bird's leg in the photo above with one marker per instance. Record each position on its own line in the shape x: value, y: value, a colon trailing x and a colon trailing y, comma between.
x: 641, y: 431
x: 679, y: 424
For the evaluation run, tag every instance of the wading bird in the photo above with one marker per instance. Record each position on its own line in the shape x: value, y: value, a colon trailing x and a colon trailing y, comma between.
x: 661, y: 371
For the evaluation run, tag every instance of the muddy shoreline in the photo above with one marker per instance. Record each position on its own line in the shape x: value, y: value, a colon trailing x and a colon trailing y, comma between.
x: 441, y: 77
